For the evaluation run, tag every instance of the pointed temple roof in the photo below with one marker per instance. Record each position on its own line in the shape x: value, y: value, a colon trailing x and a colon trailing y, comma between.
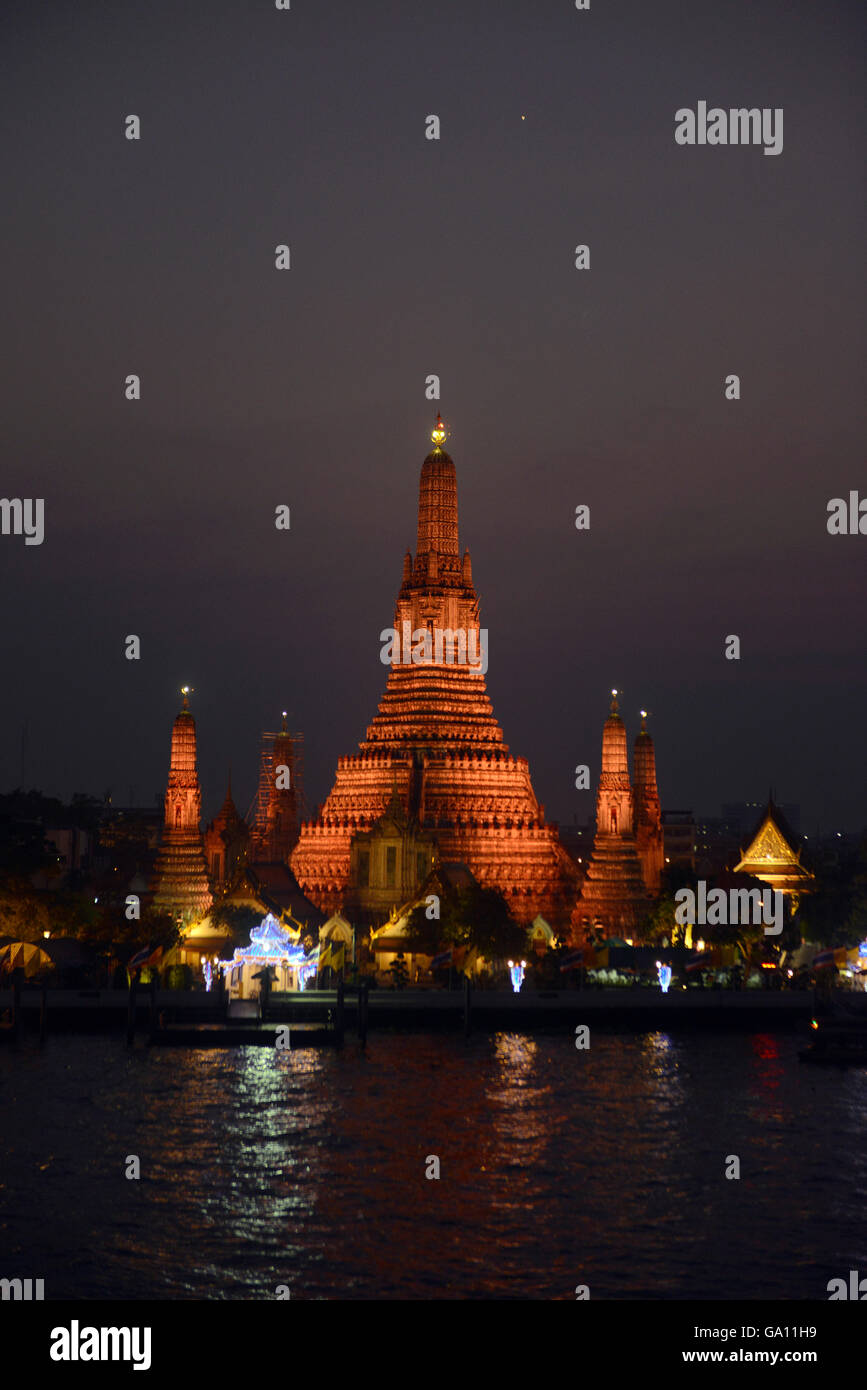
x: 615, y: 759
x: 181, y: 878
x: 438, y: 500
x: 436, y: 742
x: 773, y: 855
x: 648, y: 812
x: 644, y: 760
x: 614, y: 890
x: 228, y: 817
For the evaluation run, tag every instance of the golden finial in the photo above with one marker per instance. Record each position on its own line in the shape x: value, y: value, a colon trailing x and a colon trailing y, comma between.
x: 185, y: 691
x: 438, y: 434
x: 614, y: 705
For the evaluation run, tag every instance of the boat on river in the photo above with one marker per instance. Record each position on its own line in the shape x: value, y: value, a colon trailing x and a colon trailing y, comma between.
x: 837, y: 1041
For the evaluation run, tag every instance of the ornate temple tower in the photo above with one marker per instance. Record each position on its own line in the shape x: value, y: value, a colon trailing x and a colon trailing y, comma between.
x: 181, y: 878
x: 227, y: 842
x: 436, y: 741
x: 648, y: 813
x: 276, y: 830
x: 613, y: 892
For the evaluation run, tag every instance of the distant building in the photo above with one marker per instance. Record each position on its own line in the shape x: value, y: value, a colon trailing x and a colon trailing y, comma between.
x: 679, y: 838
x: 743, y: 815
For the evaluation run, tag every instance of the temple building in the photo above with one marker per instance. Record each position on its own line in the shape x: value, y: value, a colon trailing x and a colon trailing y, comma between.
x: 615, y: 892
x: 276, y: 824
x: 181, y: 879
x: 771, y: 856
x: 648, y: 812
x: 227, y: 843
x: 435, y: 743
x: 386, y: 863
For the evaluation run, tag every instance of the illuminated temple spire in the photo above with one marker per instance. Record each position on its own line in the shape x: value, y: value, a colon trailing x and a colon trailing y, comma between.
x: 614, y: 798
x: 434, y: 744
x: 613, y: 893
x: 181, y: 879
x: 283, y: 800
x: 227, y: 840
x: 438, y: 499
x: 648, y: 813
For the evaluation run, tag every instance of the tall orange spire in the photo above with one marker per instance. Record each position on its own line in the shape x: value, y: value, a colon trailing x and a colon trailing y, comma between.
x: 614, y: 798
x: 613, y: 893
x: 435, y: 748
x: 181, y: 879
x: 648, y: 813
x: 437, y: 500
x: 279, y: 801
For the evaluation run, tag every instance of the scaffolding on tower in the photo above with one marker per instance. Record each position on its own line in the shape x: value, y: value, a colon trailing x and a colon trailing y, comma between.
x: 257, y: 814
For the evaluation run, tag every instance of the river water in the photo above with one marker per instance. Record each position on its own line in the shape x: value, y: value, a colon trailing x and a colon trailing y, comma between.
x: 557, y: 1168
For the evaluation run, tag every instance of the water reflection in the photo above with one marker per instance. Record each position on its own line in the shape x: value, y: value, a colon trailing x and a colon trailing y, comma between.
x: 559, y: 1166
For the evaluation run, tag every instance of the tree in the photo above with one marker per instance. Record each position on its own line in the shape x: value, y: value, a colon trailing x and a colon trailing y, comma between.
x: 836, y: 914
x: 662, y: 924
x: 238, y: 918
x: 476, y: 918
x: 398, y: 971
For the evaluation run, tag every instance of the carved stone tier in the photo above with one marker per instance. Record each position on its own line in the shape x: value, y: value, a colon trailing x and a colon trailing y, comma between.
x: 436, y: 744
x: 181, y: 878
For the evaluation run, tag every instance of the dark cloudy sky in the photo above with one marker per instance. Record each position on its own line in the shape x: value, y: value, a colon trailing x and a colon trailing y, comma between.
x: 456, y: 257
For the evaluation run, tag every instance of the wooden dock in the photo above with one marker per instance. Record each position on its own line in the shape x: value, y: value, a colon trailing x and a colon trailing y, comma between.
x: 319, y: 1018
x: 241, y: 1034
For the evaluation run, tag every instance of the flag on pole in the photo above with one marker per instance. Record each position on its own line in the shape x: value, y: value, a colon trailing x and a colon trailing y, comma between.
x: 444, y: 958
x: 147, y: 956
x: 573, y: 960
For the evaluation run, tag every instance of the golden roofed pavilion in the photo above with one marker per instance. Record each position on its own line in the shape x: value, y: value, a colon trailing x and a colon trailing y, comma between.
x: 773, y: 856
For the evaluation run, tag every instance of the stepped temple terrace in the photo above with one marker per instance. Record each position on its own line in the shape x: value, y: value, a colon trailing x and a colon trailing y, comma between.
x: 432, y: 790
x: 434, y: 752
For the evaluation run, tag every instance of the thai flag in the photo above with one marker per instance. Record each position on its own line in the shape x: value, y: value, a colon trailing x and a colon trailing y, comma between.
x: 444, y: 958
x: 823, y: 958
x: 144, y: 957
x: 572, y: 961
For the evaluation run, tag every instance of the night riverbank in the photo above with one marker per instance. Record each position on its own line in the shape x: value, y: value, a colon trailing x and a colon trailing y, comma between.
x: 490, y: 1010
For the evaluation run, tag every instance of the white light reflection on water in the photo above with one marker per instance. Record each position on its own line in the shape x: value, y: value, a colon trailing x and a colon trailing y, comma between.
x: 660, y: 1070
x: 274, y: 1107
x: 520, y: 1107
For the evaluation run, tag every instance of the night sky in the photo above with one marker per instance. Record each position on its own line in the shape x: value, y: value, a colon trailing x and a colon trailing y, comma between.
x: 559, y: 387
